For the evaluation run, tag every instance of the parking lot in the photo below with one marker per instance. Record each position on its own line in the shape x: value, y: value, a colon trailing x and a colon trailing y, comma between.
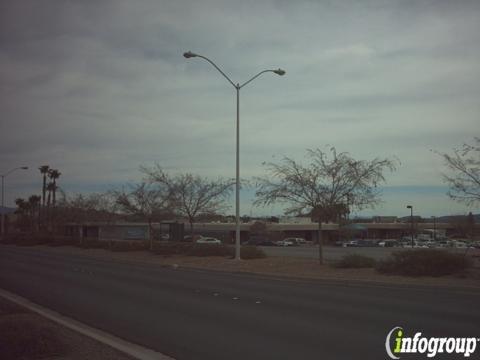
x: 332, y: 253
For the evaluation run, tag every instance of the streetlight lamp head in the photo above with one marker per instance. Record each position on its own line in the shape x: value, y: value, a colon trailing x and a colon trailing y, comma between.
x: 279, y: 72
x: 189, y: 54
x: 409, y: 206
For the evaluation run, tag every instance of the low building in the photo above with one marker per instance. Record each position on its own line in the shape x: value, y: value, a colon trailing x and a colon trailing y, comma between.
x: 226, y: 231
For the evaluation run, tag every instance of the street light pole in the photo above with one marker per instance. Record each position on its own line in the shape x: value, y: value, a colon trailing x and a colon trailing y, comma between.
x: 237, y: 180
x: 3, y: 176
x: 411, y: 221
x: 237, y: 87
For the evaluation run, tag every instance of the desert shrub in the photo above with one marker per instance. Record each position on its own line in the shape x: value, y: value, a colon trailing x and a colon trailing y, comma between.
x: 192, y: 249
x: 43, y: 238
x: 32, y: 239
x: 210, y: 250
x: 251, y: 252
x: 123, y: 245
x: 64, y: 241
x: 355, y: 261
x: 93, y: 243
x: 26, y: 336
x: 423, y: 262
x: 171, y: 248
x: 11, y: 238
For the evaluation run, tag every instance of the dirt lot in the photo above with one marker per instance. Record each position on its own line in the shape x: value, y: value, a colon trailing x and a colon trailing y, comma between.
x: 288, y: 267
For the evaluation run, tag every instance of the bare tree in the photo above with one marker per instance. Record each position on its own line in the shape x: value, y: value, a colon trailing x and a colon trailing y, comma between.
x: 145, y: 200
x: 326, y: 188
x: 464, y: 165
x: 90, y: 207
x: 192, y: 195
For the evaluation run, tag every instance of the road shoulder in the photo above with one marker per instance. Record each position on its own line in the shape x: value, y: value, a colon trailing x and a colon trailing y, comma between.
x: 83, y: 341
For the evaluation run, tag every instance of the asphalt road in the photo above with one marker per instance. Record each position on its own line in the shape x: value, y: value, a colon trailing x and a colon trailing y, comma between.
x: 191, y: 314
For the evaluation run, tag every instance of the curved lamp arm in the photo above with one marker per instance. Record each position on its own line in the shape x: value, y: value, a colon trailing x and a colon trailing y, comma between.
x: 278, y: 72
x: 190, y: 54
x: 12, y: 170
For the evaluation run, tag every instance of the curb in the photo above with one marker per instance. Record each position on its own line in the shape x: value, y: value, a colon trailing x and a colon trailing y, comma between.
x: 126, y: 347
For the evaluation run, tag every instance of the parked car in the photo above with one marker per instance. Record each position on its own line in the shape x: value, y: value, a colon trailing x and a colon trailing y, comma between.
x: 367, y: 243
x: 388, y: 243
x: 266, y: 243
x: 459, y: 244
x: 351, y: 243
x: 256, y: 240
x: 284, y: 242
x: 297, y: 241
x: 208, y: 240
x: 189, y: 237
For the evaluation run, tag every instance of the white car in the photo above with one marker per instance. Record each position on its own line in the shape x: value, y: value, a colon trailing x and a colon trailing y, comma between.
x: 208, y: 240
x: 459, y: 244
x: 298, y: 241
x: 284, y: 242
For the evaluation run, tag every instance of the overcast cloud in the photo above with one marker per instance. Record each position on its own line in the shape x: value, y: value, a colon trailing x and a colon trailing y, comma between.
x: 98, y: 88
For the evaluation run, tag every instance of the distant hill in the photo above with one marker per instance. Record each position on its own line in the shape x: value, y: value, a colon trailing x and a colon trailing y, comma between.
x: 440, y: 219
x: 450, y: 218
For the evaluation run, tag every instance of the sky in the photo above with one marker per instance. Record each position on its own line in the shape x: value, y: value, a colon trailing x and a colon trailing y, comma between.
x: 97, y: 88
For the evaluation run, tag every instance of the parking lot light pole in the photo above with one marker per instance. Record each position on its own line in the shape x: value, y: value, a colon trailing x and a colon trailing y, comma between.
x: 237, y: 87
x: 3, y: 176
x: 411, y: 221
x: 434, y: 228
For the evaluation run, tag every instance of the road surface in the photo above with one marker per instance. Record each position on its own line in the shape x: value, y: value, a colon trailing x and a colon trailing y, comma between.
x: 190, y: 314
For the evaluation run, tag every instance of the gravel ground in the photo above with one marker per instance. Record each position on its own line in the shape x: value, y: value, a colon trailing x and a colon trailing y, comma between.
x: 275, y: 266
x: 77, y: 346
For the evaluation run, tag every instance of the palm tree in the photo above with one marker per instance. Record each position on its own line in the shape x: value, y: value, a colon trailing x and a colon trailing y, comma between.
x: 23, y: 209
x: 50, y: 190
x: 34, y: 209
x: 44, y: 171
x: 54, y: 174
